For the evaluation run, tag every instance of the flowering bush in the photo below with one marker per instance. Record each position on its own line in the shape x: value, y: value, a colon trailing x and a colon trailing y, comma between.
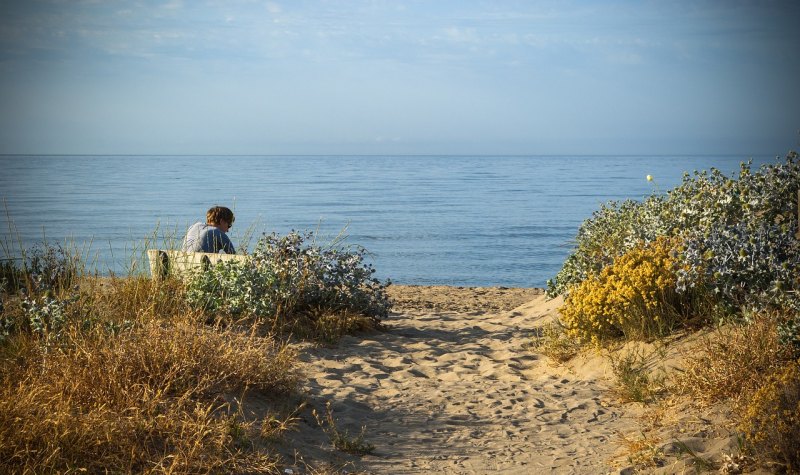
x: 635, y: 296
x: 612, y: 230
x: 737, y: 234
x: 286, y: 276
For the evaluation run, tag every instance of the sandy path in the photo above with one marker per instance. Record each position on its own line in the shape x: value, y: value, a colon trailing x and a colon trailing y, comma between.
x: 457, y: 392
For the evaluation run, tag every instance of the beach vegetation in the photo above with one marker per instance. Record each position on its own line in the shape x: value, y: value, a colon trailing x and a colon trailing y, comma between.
x: 643, y: 452
x: 733, y: 360
x: 736, y: 237
x: 771, y: 419
x: 635, y: 381
x: 136, y: 375
x: 553, y: 341
x: 718, y: 247
x: 297, y: 286
x: 634, y: 296
x: 341, y: 439
x: 144, y: 399
x: 716, y: 253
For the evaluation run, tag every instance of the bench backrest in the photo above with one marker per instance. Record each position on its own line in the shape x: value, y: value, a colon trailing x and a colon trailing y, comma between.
x: 180, y: 263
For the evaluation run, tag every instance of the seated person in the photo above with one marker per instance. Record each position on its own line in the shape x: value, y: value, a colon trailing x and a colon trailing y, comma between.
x: 210, y: 236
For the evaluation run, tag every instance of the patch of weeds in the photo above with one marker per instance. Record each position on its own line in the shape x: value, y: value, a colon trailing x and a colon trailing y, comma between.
x: 237, y: 430
x: 554, y: 342
x: 733, y: 360
x: 12, y: 278
x: 643, y: 452
x: 636, y: 384
x: 771, y: 419
x: 698, y: 462
x: 275, y: 425
x: 342, y: 440
x: 329, y: 326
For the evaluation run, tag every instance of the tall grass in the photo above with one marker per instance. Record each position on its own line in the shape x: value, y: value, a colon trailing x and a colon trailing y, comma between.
x: 101, y: 374
x: 124, y: 375
x: 143, y: 399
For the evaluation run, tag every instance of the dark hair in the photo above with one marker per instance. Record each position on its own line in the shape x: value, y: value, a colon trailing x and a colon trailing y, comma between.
x: 219, y: 213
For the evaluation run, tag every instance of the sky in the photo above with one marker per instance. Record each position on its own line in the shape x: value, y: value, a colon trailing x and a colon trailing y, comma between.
x: 399, y: 77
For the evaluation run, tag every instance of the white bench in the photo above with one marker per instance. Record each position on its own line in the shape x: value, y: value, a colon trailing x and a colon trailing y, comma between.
x: 180, y: 263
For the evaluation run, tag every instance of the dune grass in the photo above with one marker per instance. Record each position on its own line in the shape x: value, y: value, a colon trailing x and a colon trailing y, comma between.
x: 127, y: 375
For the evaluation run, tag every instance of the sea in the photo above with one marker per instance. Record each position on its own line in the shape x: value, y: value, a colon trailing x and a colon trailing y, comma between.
x: 427, y: 220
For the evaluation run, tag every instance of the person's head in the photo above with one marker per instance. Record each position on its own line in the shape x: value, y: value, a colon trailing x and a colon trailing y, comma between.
x: 220, y: 217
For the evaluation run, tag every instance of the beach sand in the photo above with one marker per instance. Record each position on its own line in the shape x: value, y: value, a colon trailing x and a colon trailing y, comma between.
x: 452, y: 386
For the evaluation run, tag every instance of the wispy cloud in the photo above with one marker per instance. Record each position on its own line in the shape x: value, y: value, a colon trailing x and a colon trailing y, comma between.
x: 413, y: 68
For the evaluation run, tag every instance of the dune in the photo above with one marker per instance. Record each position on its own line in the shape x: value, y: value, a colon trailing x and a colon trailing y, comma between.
x: 452, y: 386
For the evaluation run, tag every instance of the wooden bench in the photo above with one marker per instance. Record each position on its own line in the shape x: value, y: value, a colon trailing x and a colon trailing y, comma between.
x: 180, y: 263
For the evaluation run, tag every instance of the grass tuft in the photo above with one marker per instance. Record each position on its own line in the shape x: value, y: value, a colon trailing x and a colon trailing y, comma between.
x: 342, y: 440
x: 554, y: 342
x: 634, y: 378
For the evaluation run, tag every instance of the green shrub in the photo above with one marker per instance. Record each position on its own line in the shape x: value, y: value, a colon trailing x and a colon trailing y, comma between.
x: 44, y: 290
x: 290, y: 277
x: 737, y: 234
x: 50, y: 268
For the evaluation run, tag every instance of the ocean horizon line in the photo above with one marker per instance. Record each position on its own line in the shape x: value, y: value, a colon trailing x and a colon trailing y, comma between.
x: 318, y: 155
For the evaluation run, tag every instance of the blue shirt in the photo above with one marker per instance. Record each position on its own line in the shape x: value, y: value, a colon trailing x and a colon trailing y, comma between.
x: 202, y: 237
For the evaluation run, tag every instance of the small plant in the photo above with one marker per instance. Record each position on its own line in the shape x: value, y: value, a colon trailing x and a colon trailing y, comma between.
x: 633, y: 377
x: 276, y: 424
x: 643, y: 452
x: 771, y: 420
x: 343, y: 440
x: 554, y: 342
x: 698, y: 462
x: 46, y: 317
x: 50, y: 268
x: 11, y: 276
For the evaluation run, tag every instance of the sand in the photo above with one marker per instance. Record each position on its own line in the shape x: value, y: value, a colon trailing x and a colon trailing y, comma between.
x: 452, y: 386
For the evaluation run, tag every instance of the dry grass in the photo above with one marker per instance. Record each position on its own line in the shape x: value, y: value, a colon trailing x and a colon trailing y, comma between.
x: 771, y: 418
x: 146, y: 397
x: 733, y: 361
x: 641, y: 451
x: 636, y: 382
x: 135, y: 298
x: 554, y: 342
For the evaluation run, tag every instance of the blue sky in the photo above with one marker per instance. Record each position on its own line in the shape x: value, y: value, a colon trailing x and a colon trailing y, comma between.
x: 399, y: 77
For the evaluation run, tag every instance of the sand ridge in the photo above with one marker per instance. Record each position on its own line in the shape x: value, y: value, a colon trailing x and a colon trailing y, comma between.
x: 444, y: 391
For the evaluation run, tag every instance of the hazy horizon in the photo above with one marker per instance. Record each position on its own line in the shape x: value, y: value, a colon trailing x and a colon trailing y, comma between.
x: 399, y: 78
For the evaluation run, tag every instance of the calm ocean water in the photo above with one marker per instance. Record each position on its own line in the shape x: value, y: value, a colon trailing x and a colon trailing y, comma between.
x: 455, y: 220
